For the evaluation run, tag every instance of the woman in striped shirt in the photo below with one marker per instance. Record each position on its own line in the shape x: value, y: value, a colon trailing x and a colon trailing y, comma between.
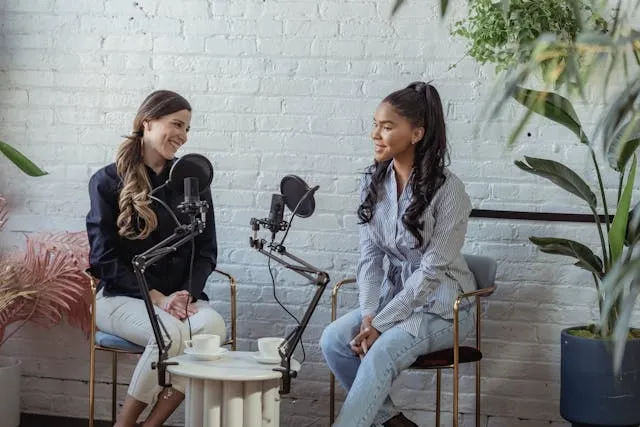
x: 414, y: 215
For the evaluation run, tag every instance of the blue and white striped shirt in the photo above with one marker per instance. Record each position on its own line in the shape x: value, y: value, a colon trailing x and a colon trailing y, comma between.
x: 398, y: 282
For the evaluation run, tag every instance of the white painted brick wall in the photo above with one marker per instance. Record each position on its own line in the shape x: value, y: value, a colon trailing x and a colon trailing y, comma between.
x: 282, y: 87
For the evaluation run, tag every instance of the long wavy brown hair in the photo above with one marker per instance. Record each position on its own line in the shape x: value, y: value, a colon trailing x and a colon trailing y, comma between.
x: 137, y: 220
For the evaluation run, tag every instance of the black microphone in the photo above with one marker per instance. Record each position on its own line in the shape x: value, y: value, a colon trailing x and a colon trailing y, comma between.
x: 276, y: 214
x: 191, y: 190
x: 191, y: 203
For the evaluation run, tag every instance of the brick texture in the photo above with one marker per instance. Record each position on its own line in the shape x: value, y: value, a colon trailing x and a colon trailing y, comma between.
x: 283, y: 87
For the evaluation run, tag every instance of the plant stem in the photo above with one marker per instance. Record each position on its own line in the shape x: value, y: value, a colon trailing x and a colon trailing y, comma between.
x: 596, y: 279
x: 616, y: 18
x: 620, y: 182
x: 23, y: 322
x: 605, y: 257
x: 613, y: 316
x: 605, y: 246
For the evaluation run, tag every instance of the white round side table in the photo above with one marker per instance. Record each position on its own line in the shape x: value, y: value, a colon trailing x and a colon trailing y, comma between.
x: 233, y: 391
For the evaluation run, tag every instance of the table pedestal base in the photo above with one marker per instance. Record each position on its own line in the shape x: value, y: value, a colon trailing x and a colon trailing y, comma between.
x: 217, y: 403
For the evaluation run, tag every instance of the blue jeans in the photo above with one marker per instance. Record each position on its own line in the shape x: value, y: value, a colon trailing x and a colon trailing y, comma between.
x: 369, y: 381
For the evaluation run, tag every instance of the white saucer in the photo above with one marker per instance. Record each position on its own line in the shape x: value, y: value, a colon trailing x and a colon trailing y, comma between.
x: 266, y: 359
x: 205, y: 356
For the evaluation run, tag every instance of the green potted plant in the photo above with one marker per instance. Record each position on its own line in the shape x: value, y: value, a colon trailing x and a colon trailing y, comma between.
x: 591, y: 392
x: 505, y: 33
x: 567, y: 42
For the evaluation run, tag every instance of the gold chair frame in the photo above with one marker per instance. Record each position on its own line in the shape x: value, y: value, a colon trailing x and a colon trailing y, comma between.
x: 114, y: 352
x: 484, y: 292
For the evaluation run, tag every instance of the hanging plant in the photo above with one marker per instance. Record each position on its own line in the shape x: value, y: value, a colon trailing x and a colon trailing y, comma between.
x: 504, y: 33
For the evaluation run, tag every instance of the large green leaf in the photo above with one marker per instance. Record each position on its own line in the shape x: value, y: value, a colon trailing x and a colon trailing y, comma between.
x: 396, y: 6
x: 620, y: 283
x: 595, y: 38
x: 505, y: 4
x: 618, y: 229
x: 619, y: 109
x: 20, y: 160
x: 560, y: 175
x: 443, y: 7
x: 575, y: 6
x: 624, y: 143
x: 633, y: 226
x: 621, y: 331
x: 444, y: 4
x: 552, y: 106
x: 585, y: 256
x: 615, y: 283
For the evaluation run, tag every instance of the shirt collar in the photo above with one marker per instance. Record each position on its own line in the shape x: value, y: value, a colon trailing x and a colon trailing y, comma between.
x: 390, y: 170
x: 163, y: 176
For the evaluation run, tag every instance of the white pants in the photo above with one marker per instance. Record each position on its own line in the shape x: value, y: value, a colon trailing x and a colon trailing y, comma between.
x: 127, y: 318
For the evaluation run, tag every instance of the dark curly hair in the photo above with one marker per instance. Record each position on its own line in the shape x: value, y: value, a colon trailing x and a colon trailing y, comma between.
x: 419, y: 103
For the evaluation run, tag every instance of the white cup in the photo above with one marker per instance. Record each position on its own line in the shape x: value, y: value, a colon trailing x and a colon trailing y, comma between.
x: 204, y: 343
x: 268, y: 346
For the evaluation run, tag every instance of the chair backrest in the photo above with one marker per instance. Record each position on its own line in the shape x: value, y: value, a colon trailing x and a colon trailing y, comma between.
x: 483, y: 268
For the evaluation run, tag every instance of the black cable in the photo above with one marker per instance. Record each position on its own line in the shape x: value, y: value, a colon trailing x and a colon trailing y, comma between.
x: 293, y: 215
x: 175, y: 218
x: 193, y: 255
x: 273, y: 285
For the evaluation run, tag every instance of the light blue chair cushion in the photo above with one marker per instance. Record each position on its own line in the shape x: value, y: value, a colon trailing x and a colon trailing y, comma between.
x: 106, y: 340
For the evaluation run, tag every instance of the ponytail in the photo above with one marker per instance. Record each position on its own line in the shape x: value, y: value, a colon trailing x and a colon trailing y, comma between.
x: 136, y: 219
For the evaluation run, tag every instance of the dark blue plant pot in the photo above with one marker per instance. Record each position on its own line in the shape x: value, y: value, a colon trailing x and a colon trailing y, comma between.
x: 590, y: 395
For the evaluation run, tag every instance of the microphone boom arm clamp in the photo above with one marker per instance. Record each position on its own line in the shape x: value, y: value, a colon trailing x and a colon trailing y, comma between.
x: 315, y: 275
x: 181, y: 235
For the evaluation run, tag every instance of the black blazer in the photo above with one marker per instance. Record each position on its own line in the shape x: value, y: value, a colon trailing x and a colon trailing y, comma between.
x: 111, y: 255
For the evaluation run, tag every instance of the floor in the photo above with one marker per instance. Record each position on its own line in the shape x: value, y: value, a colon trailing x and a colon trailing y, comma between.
x: 33, y: 420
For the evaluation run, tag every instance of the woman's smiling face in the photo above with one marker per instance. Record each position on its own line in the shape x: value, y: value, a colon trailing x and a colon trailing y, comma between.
x: 393, y: 135
x: 167, y: 133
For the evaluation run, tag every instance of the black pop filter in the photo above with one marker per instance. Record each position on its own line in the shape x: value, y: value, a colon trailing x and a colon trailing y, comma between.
x: 190, y: 166
x: 293, y: 188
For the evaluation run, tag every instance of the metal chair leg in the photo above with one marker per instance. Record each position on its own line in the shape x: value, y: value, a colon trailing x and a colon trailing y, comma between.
x: 456, y: 393
x: 478, y: 393
x: 92, y: 350
x: 332, y: 378
x: 114, y: 385
x: 478, y: 335
x: 332, y: 399
x: 92, y: 384
x: 438, y: 383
